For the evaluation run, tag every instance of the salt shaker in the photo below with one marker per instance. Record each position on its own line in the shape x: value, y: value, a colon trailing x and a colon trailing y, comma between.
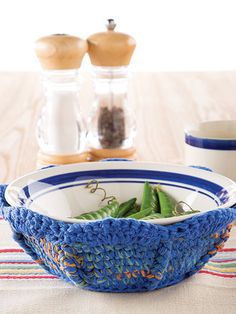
x: 60, y: 132
x: 111, y: 126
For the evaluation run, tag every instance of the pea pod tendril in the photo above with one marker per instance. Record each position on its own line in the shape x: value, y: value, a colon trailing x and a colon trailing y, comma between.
x: 178, y: 209
x: 89, y: 185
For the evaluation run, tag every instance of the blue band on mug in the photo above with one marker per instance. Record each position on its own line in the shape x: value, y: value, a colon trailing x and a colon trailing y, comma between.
x: 216, y: 144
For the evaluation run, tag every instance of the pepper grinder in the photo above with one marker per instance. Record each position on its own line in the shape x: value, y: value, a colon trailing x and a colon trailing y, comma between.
x: 111, y: 125
x: 60, y: 130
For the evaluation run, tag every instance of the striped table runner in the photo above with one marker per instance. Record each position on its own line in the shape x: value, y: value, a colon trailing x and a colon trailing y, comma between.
x: 14, y: 262
x: 222, y: 265
x: 17, y: 265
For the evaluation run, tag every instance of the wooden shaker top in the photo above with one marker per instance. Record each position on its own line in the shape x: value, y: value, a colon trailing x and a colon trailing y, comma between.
x: 110, y: 48
x: 60, y: 51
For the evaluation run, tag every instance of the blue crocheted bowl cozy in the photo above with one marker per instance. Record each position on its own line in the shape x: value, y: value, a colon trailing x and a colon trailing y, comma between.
x: 119, y: 255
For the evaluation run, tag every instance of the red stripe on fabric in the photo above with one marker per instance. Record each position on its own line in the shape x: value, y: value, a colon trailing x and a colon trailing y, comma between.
x: 18, y: 263
x: 27, y: 277
x: 223, y: 260
x: 215, y: 274
x: 11, y: 251
x: 228, y: 250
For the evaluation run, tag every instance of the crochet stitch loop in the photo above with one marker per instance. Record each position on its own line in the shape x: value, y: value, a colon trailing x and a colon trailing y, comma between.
x: 120, y: 255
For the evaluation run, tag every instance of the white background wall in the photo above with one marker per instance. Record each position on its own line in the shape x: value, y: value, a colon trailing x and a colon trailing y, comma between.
x: 172, y: 35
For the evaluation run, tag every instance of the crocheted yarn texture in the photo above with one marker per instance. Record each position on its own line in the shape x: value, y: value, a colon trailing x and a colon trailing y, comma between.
x: 119, y: 255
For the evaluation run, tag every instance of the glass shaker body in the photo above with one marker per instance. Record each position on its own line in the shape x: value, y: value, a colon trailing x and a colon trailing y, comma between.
x: 111, y: 123
x: 60, y: 129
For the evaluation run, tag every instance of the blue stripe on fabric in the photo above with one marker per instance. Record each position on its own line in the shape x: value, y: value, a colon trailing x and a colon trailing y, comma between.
x: 215, y: 144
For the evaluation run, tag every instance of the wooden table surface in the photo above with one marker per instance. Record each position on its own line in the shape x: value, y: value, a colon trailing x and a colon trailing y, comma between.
x: 164, y: 104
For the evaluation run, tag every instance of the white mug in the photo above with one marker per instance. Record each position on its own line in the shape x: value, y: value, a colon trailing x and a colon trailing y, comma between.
x: 212, y: 144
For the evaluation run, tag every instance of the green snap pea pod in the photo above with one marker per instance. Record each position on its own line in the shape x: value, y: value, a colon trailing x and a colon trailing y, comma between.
x: 167, y: 203
x: 141, y: 214
x: 153, y: 216
x: 124, y: 208
x: 100, y: 213
x: 133, y: 210
x: 149, y: 198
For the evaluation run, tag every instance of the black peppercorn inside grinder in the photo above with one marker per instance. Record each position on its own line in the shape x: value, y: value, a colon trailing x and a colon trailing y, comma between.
x: 111, y: 124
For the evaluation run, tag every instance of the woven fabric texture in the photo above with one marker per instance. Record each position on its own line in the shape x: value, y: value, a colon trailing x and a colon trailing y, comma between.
x: 119, y: 255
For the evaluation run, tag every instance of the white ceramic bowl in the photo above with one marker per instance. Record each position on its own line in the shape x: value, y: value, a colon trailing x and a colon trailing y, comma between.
x: 59, y: 192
